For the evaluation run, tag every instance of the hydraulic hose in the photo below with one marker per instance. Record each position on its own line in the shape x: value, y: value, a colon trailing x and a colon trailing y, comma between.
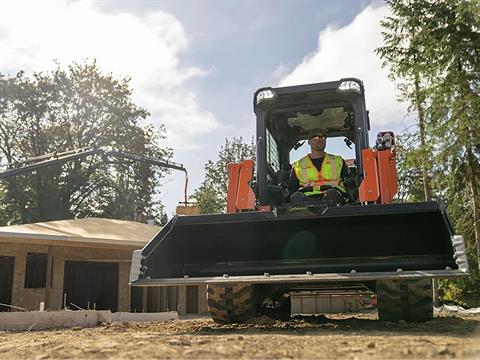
x: 186, y: 186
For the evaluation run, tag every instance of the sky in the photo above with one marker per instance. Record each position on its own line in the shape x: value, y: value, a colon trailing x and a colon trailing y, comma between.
x: 195, y: 65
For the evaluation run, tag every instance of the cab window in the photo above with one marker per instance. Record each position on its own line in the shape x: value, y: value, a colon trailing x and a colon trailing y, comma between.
x: 272, y: 153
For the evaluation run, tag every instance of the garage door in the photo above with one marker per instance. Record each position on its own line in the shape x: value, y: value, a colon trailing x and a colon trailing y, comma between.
x: 91, y: 285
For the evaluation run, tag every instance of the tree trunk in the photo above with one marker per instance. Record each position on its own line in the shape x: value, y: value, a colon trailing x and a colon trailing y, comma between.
x: 427, y: 190
x: 421, y: 125
x: 475, y: 199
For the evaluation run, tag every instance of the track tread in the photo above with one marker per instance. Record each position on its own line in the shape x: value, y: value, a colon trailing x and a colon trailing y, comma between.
x: 408, y: 300
x: 230, y: 303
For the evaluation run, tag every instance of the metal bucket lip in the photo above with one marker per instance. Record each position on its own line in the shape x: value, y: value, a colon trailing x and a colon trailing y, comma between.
x: 304, y: 278
x: 338, y: 211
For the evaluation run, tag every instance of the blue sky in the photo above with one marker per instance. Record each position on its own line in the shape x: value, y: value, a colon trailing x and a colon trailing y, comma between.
x: 195, y: 64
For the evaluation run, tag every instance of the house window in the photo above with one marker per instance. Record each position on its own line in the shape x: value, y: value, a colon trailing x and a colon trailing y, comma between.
x: 36, y: 270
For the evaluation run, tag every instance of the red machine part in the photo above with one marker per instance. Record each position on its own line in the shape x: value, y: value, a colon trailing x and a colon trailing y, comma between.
x: 380, y: 183
x: 240, y: 196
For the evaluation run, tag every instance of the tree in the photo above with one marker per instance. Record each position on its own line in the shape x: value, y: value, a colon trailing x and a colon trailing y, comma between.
x: 80, y: 107
x: 402, y: 54
x: 409, y: 170
x: 440, y: 48
x: 211, y: 195
x: 455, y: 99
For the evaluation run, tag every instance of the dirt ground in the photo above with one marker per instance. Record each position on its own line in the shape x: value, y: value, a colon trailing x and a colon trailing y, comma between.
x: 358, y: 336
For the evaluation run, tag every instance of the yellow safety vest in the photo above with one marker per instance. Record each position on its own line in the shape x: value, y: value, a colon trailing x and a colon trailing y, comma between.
x: 308, y: 174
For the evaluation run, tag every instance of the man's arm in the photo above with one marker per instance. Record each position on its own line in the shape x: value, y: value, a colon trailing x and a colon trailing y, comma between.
x: 293, y: 184
x: 344, y: 173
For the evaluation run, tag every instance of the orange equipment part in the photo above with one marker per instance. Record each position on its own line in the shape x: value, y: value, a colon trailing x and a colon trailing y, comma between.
x: 240, y: 196
x: 380, y: 182
x: 387, y: 173
x: 232, y: 188
x: 369, y: 189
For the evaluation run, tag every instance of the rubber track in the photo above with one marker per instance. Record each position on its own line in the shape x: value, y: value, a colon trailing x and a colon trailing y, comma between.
x: 408, y: 300
x: 230, y: 303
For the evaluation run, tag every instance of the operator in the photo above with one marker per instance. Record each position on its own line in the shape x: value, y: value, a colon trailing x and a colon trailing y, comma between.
x: 316, y: 169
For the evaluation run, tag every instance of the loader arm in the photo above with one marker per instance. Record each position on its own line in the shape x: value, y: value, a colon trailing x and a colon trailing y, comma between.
x: 47, y: 160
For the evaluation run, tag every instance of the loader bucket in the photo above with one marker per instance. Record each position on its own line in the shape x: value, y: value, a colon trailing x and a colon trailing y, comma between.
x: 340, y: 240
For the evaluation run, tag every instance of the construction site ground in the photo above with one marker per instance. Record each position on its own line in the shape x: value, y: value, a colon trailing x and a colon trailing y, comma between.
x: 352, y: 336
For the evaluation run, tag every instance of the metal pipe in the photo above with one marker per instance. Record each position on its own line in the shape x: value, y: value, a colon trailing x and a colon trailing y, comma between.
x: 13, y: 307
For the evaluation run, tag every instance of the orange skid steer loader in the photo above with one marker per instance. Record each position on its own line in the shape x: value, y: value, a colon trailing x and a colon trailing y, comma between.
x: 270, y: 256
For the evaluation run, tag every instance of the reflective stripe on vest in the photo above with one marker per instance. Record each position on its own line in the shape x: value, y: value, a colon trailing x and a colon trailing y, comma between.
x: 329, y: 174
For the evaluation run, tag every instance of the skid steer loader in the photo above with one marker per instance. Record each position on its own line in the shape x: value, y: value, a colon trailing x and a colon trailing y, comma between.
x: 269, y: 256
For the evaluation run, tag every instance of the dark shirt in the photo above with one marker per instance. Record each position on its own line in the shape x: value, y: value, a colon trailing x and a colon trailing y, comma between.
x: 294, y: 185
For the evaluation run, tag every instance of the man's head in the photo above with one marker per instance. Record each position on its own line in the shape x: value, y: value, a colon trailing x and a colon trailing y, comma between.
x: 318, y: 141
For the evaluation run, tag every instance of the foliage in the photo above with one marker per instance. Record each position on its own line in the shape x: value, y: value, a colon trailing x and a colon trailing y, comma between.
x: 433, y: 48
x: 403, y: 53
x: 409, y: 159
x: 211, y: 195
x: 80, y: 107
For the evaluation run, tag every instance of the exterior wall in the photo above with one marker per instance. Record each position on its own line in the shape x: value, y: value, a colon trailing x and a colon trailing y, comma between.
x: 26, y: 298
x: 53, y: 293
x: 171, y: 298
x: 123, y: 286
x: 202, y: 299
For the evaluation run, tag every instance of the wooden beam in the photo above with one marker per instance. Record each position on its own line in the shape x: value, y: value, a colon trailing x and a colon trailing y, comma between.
x: 182, y: 300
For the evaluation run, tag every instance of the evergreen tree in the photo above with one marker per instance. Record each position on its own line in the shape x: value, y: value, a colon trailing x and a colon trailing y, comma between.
x: 403, y: 53
x: 455, y: 101
x: 409, y: 168
x: 436, y: 45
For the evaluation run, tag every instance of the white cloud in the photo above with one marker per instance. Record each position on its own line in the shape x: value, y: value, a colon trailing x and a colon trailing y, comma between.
x: 349, y: 52
x: 181, y: 112
x: 280, y: 72
x: 148, y: 48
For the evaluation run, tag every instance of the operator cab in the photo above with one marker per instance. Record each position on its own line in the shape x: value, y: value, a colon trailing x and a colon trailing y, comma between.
x: 288, y: 116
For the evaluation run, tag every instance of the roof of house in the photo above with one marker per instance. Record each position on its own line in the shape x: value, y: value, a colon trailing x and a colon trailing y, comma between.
x: 83, y: 232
